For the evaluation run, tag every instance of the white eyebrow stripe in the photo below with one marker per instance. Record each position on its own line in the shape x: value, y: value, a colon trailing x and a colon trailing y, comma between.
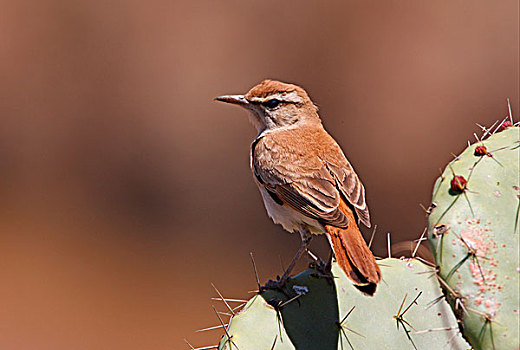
x: 291, y: 97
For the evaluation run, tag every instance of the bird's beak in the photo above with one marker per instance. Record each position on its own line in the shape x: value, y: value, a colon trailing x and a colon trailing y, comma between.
x: 234, y: 99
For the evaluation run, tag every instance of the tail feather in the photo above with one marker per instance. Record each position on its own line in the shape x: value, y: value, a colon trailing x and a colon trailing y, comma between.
x: 353, y: 255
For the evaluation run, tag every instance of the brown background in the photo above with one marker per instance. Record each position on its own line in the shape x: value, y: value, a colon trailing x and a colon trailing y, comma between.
x: 125, y: 190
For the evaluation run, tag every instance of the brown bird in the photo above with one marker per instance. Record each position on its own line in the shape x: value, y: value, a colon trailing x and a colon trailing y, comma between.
x: 306, y: 182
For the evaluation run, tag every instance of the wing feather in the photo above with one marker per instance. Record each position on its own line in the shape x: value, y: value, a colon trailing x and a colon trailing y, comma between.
x: 312, y: 179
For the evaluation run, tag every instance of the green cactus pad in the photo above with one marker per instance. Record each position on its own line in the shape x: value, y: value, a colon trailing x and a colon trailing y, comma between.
x: 389, y: 320
x: 474, y: 235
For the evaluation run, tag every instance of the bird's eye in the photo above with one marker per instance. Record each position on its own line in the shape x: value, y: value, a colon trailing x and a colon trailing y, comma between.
x: 271, y: 103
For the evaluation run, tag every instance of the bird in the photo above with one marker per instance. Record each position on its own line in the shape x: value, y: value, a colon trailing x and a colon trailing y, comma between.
x: 305, y: 180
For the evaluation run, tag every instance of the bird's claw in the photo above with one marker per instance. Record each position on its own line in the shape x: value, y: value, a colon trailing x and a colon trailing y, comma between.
x: 322, y: 270
x: 280, y: 285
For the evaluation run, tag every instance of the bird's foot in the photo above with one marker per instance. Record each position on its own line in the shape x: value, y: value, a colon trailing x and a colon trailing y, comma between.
x: 280, y: 285
x: 322, y: 269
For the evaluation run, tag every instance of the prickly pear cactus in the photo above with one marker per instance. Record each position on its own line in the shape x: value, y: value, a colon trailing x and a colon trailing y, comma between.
x: 474, y: 235
x: 407, y: 312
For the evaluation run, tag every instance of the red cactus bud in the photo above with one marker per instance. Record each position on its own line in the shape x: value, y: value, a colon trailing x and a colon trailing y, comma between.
x: 480, y: 151
x: 506, y: 125
x: 458, y: 184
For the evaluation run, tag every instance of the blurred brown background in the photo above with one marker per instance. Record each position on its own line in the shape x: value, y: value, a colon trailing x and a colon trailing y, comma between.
x: 125, y: 190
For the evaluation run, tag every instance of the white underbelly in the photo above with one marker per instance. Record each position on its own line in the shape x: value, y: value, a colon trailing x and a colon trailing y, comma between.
x: 289, y: 218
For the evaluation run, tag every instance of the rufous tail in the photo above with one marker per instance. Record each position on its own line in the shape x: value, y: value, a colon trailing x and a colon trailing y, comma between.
x: 353, y: 255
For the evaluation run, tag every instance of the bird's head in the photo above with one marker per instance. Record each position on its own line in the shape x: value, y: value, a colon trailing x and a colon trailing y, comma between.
x: 276, y: 105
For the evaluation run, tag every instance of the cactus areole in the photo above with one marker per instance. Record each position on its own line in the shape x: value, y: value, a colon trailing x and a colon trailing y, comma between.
x: 458, y: 184
x: 480, y: 151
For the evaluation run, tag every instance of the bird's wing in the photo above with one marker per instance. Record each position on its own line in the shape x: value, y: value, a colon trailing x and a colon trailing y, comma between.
x: 348, y: 182
x: 304, y: 184
x: 310, y: 179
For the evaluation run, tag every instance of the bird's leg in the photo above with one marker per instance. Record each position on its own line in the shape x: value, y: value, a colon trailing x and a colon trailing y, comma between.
x: 328, y: 266
x: 322, y: 269
x: 306, y: 240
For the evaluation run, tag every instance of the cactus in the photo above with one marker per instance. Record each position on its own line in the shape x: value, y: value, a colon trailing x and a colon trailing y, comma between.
x: 474, y: 235
x: 473, y: 230
x: 405, y: 313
